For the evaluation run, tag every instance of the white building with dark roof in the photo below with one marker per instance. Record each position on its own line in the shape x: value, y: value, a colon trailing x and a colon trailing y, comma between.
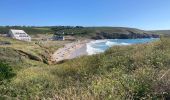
x: 19, y: 34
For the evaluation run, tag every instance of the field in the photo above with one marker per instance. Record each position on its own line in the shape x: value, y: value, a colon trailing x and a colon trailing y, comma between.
x: 30, y: 30
x: 121, y: 73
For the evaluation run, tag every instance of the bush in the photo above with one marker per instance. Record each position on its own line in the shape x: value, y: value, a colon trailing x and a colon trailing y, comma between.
x: 6, y: 71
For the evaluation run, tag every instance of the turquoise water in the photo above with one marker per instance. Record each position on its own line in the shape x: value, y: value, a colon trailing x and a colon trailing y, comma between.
x: 99, y: 46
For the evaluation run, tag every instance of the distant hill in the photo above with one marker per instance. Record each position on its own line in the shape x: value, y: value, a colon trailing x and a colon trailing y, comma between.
x: 162, y: 32
x: 29, y: 30
x: 86, y: 32
x: 121, y: 33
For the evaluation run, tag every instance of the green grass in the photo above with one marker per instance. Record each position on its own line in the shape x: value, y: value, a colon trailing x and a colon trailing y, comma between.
x: 29, y: 30
x: 163, y: 32
x: 20, y: 52
x: 43, y: 28
x: 123, y: 72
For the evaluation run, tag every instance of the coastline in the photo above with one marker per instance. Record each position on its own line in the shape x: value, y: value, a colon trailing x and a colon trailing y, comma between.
x: 81, y: 51
x: 81, y: 48
x: 70, y: 51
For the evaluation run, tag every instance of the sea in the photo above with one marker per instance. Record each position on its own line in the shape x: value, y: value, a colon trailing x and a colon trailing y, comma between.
x: 99, y: 46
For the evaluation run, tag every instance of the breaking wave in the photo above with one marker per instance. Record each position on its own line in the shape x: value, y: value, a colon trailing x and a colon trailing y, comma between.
x: 99, y: 46
x: 92, y: 50
x: 110, y: 44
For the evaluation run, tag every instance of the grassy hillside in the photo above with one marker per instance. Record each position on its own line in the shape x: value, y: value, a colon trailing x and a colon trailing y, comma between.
x: 105, y: 32
x: 162, y: 32
x: 29, y: 30
x: 79, y: 30
x: 85, y: 32
x: 122, y: 72
x: 20, y: 52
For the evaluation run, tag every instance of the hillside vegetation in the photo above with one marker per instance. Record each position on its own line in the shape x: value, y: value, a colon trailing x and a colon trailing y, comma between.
x: 85, y: 32
x: 19, y: 52
x: 121, y: 73
x: 30, y: 30
x: 162, y: 32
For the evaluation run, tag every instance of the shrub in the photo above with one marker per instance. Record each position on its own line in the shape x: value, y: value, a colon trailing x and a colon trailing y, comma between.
x: 6, y: 72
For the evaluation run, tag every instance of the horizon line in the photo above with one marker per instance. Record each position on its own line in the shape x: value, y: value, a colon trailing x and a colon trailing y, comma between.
x: 83, y: 26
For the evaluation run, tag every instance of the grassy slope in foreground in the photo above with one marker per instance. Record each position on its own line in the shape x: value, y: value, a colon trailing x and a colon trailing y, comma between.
x: 128, y: 72
x: 25, y: 54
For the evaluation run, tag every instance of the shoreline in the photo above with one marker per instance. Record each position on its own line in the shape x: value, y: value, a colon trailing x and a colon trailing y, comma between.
x: 80, y: 48
x: 70, y: 51
x: 78, y: 52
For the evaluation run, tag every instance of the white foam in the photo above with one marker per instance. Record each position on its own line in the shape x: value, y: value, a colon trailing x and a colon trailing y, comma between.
x: 98, y: 46
x: 98, y: 41
x: 110, y: 44
x: 91, y: 50
x: 125, y: 44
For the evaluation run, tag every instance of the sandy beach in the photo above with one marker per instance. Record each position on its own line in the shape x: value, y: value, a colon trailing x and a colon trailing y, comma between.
x: 70, y: 51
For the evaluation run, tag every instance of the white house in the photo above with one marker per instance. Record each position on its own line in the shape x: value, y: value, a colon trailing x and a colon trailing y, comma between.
x: 19, y: 34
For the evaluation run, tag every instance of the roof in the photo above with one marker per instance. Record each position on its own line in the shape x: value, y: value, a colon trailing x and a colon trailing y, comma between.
x: 17, y: 31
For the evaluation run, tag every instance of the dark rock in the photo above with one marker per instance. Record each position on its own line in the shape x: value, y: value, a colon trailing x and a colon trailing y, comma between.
x: 130, y: 35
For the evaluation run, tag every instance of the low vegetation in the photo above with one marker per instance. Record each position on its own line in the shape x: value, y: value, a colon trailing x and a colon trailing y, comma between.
x: 6, y: 72
x: 20, y: 52
x: 122, y: 72
x: 163, y: 32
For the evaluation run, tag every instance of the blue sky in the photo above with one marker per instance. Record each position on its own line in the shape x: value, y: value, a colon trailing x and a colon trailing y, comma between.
x: 143, y: 14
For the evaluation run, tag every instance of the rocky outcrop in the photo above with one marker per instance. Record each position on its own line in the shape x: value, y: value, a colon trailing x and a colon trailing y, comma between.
x: 129, y: 35
x: 30, y: 56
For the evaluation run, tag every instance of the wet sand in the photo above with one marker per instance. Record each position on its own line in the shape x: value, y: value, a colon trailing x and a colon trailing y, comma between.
x: 78, y: 52
x: 70, y: 51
